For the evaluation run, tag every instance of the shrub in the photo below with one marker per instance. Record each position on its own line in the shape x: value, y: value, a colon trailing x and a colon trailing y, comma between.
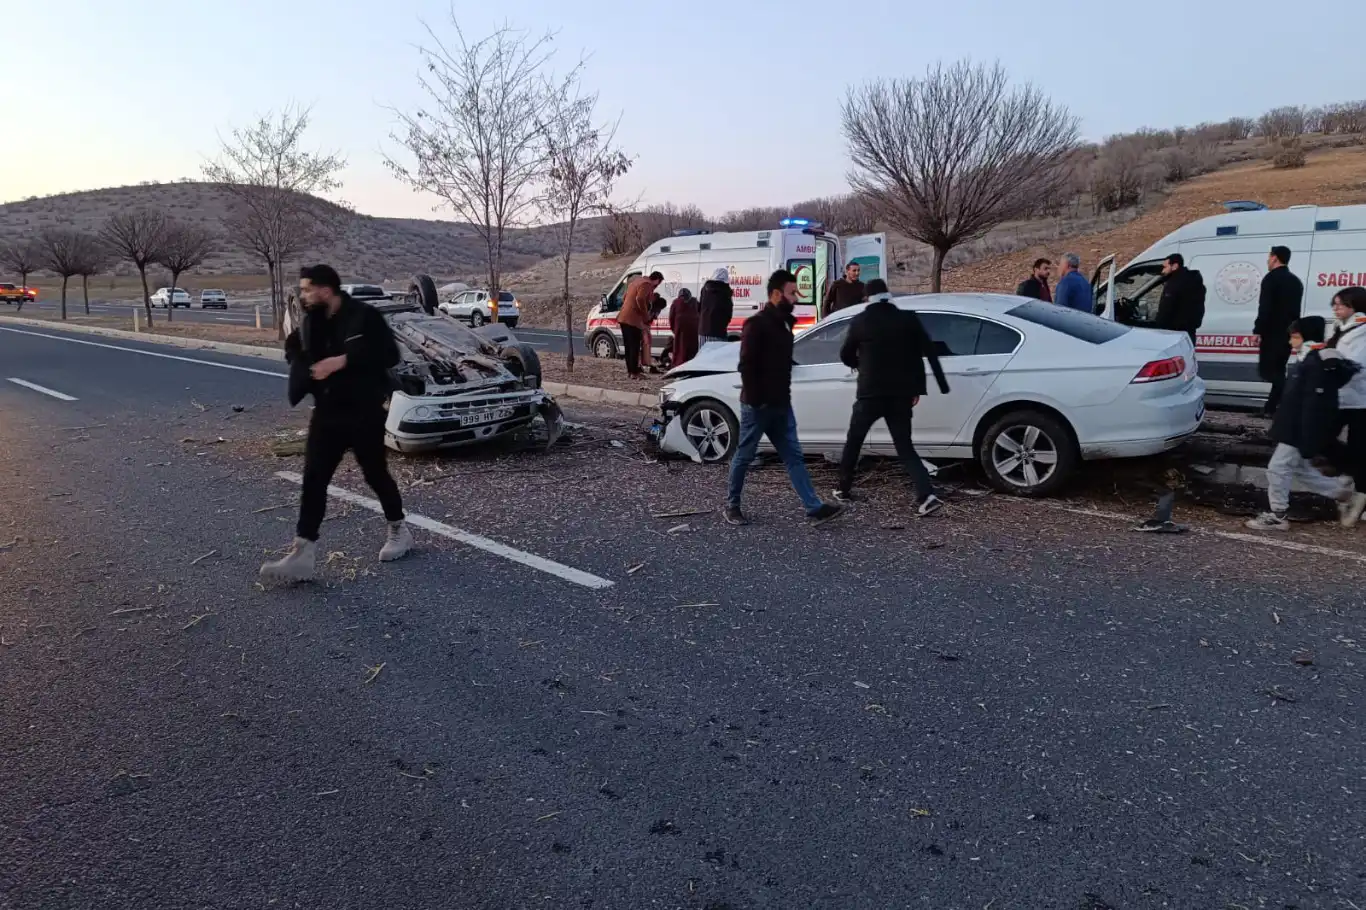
x: 1289, y: 153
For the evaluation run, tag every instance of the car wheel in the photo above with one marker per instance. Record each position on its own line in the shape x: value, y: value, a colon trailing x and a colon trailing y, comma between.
x: 422, y: 289
x: 477, y: 319
x: 1028, y: 453
x: 712, y: 429
x: 604, y: 346
x: 524, y: 363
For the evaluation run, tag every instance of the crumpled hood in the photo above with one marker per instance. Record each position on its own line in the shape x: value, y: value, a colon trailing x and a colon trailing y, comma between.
x: 714, y: 357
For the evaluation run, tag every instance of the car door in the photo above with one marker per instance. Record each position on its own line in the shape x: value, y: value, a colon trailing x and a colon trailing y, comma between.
x: 972, y: 351
x: 822, y: 387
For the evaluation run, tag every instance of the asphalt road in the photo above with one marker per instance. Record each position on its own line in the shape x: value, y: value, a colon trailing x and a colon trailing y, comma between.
x: 997, y: 709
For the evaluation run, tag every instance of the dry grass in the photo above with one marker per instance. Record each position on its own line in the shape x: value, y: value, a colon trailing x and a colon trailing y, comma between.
x: 235, y: 334
x: 590, y: 371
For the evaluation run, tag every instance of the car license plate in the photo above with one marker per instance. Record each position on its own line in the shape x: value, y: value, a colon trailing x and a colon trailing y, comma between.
x: 493, y: 416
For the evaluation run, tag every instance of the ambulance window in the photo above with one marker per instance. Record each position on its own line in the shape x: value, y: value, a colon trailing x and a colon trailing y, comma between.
x: 805, y: 272
x: 614, y: 300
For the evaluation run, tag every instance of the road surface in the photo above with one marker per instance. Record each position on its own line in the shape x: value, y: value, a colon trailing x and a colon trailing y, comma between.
x: 1003, y: 707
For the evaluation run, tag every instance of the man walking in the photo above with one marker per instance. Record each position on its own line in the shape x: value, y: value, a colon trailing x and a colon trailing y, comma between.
x: 846, y: 292
x: 1277, y: 307
x: 635, y: 318
x: 1074, y: 291
x: 766, y: 401
x: 717, y: 304
x: 888, y: 346
x: 1036, y: 285
x: 341, y: 355
x: 1182, y: 307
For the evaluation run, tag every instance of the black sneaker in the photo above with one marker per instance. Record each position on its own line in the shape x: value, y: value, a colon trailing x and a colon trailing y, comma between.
x: 845, y: 496
x: 929, y: 505
x: 827, y: 512
x: 735, y: 517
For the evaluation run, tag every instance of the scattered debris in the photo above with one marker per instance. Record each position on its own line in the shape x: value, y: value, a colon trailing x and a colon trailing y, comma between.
x: 548, y: 817
x: 920, y: 813
x: 327, y: 793
x: 631, y: 570
x: 283, y: 448
x: 132, y: 610
x: 268, y: 509
x: 198, y: 559
x: 1277, y: 695
x: 679, y: 529
x: 696, y: 606
x: 1304, y: 659
x: 238, y: 409
x: 198, y: 405
x: 374, y: 672
x: 687, y: 513
x: 196, y: 621
x: 862, y: 685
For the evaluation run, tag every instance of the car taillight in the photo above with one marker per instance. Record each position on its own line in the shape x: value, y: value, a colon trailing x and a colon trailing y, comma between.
x: 1158, y: 370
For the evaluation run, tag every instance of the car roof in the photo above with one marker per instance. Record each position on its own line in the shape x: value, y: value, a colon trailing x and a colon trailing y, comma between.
x: 978, y: 303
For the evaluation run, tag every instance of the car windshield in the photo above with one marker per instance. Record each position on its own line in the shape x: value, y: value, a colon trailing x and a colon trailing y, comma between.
x: 506, y: 296
x: 1079, y: 325
x: 366, y: 290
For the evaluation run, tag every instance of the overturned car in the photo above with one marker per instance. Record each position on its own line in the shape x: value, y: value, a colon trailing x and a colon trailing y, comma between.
x: 459, y: 386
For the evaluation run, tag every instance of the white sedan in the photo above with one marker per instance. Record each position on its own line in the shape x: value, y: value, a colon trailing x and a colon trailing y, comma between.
x: 1034, y: 388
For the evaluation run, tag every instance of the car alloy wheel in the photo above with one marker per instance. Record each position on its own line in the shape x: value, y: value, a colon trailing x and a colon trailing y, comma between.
x: 604, y: 348
x: 709, y: 431
x: 476, y: 319
x: 1025, y: 456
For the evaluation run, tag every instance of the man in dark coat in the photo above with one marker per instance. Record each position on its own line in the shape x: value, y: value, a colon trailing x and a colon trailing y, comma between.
x: 717, y: 305
x: 846, y: 292
x: 888, y: 346
x: 1182, y: 307
x: 1036, y: 285
x: 341, y: 355
x: 1277, y: 307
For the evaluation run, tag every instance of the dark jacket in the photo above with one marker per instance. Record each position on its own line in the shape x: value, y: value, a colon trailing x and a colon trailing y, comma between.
x: 889, y: 346
x: 1182, y: 307
x: 361, y: 333
x: 1277, y: 307
x: 718, y: 306
x: 1308, y: 414
x: 1036, y: 288
x: 844, y: 293
x: 766, y: 359
x: 683, y: 322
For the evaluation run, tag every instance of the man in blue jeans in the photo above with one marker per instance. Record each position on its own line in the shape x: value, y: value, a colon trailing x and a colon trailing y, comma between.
x: 766, y: 401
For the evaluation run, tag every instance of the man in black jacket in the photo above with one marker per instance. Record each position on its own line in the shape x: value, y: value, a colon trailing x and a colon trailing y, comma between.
x: 717, y: 305
x: 766, y: 401
x: 846, y: 292
x: 1278, y: 306
x: 1036, y: 285
x: 341, y: 355
x: 888, y: 346
x: 1182, y: 307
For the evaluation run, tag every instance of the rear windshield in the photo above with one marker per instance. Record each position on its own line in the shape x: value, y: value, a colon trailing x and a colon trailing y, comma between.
x: 506, y: 296
x: 1071, y: 322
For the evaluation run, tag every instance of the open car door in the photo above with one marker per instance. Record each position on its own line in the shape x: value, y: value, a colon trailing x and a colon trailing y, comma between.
x: 869, y: 253
x: 1103, y: 282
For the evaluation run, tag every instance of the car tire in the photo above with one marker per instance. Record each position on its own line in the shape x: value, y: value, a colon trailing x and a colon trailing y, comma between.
x: 1028, y: 452
x: 422, y: 290
x: 477, y: 319
x: 603, y: 346
x: 712, y: 429
x: 524, y: 363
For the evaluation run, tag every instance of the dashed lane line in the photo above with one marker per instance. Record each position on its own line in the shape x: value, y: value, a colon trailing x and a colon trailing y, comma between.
x: 60, y: 396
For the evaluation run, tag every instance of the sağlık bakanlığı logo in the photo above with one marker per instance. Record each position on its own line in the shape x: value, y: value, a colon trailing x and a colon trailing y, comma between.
x: 1238, y: 282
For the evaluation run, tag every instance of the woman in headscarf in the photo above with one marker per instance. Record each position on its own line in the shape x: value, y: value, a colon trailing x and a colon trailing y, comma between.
x: 684, y: 319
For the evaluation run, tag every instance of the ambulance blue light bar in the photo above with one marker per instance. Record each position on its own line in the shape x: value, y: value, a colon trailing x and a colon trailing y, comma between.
x: 801, y: 223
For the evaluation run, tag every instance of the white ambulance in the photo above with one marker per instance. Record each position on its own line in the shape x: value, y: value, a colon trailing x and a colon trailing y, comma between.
x: 1327, y: 252
x: 689, y: 258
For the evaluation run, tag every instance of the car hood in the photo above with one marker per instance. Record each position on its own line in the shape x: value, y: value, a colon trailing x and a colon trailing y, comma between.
x: 715, y: 357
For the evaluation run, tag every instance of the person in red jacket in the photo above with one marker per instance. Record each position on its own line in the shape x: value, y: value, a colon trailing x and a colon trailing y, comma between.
x: 684, y: 319
x: 635, y: 317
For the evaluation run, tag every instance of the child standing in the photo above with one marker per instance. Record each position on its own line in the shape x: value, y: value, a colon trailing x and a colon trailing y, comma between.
x: 1305, y: 423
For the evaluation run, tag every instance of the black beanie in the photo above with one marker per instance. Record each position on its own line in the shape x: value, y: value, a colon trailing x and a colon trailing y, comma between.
x: 1310, y: 328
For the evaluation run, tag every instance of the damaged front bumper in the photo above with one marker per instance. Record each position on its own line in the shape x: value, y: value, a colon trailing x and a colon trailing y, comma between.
x: 667, y: 433
x: 427, y: 422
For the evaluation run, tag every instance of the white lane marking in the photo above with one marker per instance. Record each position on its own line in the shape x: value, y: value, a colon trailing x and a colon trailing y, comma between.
x: 493, y: 547
x: 44, y: 389
x: 115, y: 347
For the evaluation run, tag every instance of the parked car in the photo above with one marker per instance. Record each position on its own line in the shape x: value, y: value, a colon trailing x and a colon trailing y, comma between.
x: 368, y: 293
x: 213, y: 298
x: 13, y: 293
x: 1034, y: 390
x: 477, y: 309
x: 171, y: 297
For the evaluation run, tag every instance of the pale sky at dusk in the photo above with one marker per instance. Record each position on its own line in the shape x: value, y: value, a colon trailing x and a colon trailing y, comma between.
x: 723, y: 104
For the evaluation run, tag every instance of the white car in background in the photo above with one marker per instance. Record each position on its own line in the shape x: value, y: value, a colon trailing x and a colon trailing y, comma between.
x: 171, y: 297
x: 476, y: 308
x: 1033, y: 390
x: 213, y: 298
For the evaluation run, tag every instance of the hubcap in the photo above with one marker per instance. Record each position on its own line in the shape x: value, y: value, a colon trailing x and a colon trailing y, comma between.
x: 1025, y: 456
x: 603, y: 348
x: 710, y: 433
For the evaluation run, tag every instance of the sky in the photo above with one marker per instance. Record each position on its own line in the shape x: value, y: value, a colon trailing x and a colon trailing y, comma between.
x: 722, y: 103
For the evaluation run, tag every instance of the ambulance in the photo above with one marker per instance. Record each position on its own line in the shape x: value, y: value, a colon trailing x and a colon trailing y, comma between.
x: 689, y: 258
x: 1327, y: 252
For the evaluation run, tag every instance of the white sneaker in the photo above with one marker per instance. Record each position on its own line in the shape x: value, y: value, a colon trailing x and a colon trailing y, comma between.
x: 1268, y: 521
x: 929, y: 505
x: 397, y: 543
x: 298, y: 565
x: 1352, y: 510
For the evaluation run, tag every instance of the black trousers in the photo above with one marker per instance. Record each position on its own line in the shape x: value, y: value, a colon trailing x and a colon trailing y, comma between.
x: 897, y: 414
x: 1350, y: 458
x: 1273, y: 371
x: 634, y: 339
x: 329, y: 438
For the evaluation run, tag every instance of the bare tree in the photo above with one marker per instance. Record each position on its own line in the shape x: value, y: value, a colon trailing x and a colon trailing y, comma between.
x: 1287, y: 122
x: 184, y: 248
x: 950, y: 156
x: 136, y: 237
x: 275, y: 185
x: 585, y: 165
x: 480, y: 143
x: 621, y: 234
x: 62, y: 252
x: 846, y: 214
x: 22, y: 256
x: 92, y: 257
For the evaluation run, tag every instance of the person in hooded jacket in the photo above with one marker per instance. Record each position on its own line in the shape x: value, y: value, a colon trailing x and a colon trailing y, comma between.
x: 1182, y: 307
x: 1349, y: 339
x: 684, y: 318
x: 717, y: 306
x: 1305, y: 423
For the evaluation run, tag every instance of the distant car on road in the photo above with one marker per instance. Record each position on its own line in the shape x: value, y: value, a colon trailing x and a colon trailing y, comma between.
x: 476, y: 308
x: 213, y: 298
x: 13, y: 293
x: 367, y: 293
x: 171, y: 297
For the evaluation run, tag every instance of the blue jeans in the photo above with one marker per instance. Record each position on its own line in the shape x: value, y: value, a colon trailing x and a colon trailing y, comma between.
x: 779, y: 424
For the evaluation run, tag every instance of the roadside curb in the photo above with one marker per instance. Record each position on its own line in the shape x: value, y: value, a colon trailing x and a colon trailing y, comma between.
x: 197, y: 344
x: 594, y: 393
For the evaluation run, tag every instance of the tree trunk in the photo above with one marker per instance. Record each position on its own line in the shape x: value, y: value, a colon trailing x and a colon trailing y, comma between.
x: 64, y: 279
x: 937, y: 270
x: 146, y: 295
x: 170, y: 304
x: 85, y: 292
x: 278, y: 280
x: 23, y: 279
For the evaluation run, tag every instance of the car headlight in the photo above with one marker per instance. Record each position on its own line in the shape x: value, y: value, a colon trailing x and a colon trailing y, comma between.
x: 667, y: 394
x: 421, y: 412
